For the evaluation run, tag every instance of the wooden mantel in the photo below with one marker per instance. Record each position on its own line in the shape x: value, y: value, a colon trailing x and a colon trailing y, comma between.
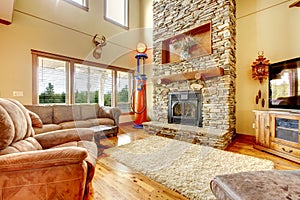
x: 198, y: 74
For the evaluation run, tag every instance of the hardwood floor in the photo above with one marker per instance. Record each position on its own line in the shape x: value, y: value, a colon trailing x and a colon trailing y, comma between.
x: 115, y: 181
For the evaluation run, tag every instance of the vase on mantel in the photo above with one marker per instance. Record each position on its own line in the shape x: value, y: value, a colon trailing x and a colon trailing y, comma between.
x: 184, y: 55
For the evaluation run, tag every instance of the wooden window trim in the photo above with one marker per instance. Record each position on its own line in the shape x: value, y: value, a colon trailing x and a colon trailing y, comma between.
x: 86, y: 8
x: 114, y: 86
x: 34, y: 79
x: 68, y: 83
x: 114, y: 22
x: 72, y: 81
x: 78, y: 61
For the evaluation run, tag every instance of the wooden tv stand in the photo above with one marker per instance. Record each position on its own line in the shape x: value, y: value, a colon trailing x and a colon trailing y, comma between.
x: 277, y: 132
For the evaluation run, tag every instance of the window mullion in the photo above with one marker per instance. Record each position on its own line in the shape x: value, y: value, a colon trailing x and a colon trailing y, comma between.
x: 89, y: 86
x: 114, y: 88
x: 71, y: 95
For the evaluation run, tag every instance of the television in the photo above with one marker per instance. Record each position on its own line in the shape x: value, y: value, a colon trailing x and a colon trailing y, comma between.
x: 284, y: 88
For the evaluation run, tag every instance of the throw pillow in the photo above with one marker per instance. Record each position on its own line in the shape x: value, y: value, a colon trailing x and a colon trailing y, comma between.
x: 35, y: 120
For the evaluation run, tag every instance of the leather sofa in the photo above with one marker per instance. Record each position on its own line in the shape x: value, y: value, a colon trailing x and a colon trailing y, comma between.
x: 54, y: 165
x: 57, y: 117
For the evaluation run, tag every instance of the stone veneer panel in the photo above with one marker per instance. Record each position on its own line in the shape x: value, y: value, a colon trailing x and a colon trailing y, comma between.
x: 177, y: 16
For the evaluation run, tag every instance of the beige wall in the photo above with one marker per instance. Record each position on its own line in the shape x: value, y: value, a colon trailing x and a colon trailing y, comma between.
x: 147, y: 24
x: 269, y: 26
x: 61, y: 28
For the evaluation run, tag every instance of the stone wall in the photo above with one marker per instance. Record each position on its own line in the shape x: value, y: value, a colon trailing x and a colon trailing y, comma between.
x: 173, y: 17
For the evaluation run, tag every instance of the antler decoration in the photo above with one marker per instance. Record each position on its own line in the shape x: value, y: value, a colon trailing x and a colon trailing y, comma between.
x: 99, y: 44
x: 260, y: 69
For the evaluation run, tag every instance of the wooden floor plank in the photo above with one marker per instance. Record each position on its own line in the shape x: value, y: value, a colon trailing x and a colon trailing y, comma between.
x: 114, y: 180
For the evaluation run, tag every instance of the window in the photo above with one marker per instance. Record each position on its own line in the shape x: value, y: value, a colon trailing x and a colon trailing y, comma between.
x: 52, y: 80
x: 93, y: 85
x: 79, y: 3
x: 124, y: 88
x: 116, y: 11
x: 64, y: 80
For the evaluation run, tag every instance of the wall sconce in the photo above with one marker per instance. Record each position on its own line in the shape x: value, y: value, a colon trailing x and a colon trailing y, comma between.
x: 99, y: 44
x: 260, y: 68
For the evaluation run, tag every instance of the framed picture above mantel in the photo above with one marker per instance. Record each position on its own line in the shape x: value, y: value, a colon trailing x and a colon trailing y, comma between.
x: 190, y: 44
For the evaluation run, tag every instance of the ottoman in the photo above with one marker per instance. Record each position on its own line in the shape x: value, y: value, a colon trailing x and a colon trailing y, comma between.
x: 266, y: 185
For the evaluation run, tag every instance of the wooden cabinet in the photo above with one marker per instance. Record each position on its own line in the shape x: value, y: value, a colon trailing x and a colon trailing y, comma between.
x: 262, y: 129
x: 277, y: 132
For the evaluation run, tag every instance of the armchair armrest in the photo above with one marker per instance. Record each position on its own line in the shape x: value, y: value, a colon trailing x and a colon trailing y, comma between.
x: 54, y: 138
x: 42, y: 158
x: 111, y: 112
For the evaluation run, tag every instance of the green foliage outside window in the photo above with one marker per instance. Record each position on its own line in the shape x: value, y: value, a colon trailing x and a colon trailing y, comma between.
x: 107, y: 99
x: 49, y: 96
x: 123, y: 95
x: 82, y: 97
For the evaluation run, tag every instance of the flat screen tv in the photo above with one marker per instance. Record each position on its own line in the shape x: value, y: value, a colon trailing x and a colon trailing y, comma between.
x: 284, y: 88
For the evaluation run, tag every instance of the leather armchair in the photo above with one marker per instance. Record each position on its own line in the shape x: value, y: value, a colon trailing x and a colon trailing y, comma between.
x: 53, y: 165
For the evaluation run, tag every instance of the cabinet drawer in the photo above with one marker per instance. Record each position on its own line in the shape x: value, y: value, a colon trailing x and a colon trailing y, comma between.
x: 285, y: 149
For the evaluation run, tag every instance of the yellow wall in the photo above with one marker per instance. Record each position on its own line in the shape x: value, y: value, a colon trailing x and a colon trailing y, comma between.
x: 269, y: 26
x: 147, y: 24
x: 58, y: 27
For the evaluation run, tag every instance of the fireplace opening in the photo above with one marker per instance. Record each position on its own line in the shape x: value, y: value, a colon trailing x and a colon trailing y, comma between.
x: 185, y: 107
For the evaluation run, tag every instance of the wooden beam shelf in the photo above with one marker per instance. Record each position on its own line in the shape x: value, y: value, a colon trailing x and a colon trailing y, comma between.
x: 198, y: 74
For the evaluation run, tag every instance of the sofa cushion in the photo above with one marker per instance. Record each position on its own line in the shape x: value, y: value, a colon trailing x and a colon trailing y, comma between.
x: 15, y: 123
x: 65, y: 113
x: 35, y: 120
x: 45, y: 112
x: 8, y: 150
x: 29, y: 144
x: 75, y: 124
x: 110, y: 112
x: 89, y: 111
x: 104, y: 112
x: 101, y: 121
x: 6, y: 129
x: 67, y: 144
x: 46, y: 128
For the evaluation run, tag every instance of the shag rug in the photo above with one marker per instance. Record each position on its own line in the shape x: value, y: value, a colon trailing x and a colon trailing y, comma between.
x: 184, y: 167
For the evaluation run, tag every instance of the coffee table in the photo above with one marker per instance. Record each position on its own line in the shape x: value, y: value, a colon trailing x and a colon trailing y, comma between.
x: 103, y: 131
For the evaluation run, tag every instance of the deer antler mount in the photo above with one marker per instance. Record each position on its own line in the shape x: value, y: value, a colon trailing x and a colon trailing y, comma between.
x: 99, y: 44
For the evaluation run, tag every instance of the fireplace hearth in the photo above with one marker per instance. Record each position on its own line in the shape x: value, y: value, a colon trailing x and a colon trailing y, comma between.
x: 185, y: 107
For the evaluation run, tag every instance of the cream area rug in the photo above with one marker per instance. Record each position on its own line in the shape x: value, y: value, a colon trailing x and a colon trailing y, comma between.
x: 184, y: 167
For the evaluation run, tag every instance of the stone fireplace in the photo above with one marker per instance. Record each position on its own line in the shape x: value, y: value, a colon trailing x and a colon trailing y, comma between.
x: 218, y: 93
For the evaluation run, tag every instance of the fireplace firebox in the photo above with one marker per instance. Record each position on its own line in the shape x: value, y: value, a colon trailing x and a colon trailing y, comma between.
x: 185, y: 107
